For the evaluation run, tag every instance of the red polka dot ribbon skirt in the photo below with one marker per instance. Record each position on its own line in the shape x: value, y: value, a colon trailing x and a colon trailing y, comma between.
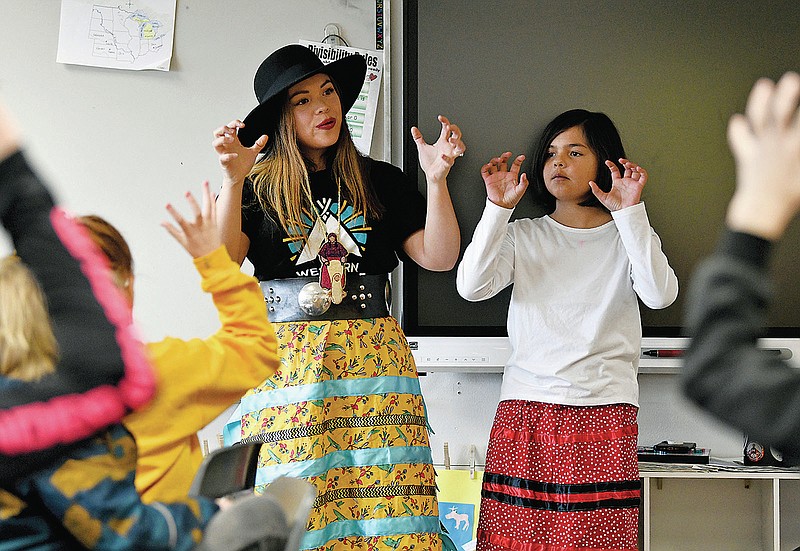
x: 561, y: 478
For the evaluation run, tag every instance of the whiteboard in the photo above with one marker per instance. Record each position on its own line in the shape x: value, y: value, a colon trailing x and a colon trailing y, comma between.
x: 669, y: 74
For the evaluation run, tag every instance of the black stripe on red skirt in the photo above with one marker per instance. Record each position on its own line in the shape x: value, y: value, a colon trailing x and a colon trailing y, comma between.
x: 550, y: 496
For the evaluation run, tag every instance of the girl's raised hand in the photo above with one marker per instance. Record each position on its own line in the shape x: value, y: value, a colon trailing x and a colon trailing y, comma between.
x: 199, y: 234
x: 436, y: 159
x: 504, y: 186
x: 626, y: 188
x: 235, y: 159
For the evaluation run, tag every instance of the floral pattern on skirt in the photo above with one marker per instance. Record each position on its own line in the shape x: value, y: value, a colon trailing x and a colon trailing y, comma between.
x: 345, y: 412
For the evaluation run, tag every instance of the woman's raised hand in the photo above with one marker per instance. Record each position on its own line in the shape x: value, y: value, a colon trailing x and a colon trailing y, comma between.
x: 626, y: 188
x: 504, y: 186
x: 437, y: 158
x: 235, y: 159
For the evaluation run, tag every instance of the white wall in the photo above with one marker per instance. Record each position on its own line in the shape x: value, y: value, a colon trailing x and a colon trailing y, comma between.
x: 122, y: 144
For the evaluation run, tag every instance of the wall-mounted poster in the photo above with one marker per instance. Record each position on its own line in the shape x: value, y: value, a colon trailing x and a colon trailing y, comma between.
x: 361, y: 117
x: 133, y: 35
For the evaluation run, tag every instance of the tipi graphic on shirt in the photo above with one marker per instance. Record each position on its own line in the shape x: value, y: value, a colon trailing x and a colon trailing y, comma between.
x: 349, y: 226
x: 318, y: 236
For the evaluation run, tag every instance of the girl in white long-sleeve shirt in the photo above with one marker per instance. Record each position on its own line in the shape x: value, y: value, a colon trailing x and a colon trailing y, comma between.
x: 561, y: 467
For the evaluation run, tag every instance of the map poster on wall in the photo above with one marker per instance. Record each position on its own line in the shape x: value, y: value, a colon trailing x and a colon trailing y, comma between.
x: 123, y: 34
x: 361, y: 117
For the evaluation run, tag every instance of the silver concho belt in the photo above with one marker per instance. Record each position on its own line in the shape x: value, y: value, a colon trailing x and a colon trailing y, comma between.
x: 303, y: 299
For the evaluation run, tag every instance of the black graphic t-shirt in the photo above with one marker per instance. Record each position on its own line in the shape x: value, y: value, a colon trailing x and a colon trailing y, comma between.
x: 373, y: 246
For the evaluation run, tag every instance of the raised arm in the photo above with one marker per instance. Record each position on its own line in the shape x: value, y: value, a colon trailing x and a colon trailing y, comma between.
x: 724, y: 370
x: 765, y: 142
x: 241, y: 354
x: 488, y: 263
x: 236, y: 161
x: 654, y: 280
x: 437, y: 245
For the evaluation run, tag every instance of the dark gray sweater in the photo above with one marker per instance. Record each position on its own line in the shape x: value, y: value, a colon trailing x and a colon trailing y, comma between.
x: 724, y: 371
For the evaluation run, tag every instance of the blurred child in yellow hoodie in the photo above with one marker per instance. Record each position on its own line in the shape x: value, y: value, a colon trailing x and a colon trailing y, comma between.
x: 198, y: 379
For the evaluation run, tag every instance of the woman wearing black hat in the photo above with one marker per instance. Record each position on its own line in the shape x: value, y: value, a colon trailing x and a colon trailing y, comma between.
x: 345, y: 410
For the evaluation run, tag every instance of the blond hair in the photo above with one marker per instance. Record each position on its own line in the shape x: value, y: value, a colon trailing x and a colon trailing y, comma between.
x: 281, y: 182
x: 28, y: 348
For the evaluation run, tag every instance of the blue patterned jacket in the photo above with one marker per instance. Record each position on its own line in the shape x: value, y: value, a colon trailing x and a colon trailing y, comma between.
x: 87, y: 498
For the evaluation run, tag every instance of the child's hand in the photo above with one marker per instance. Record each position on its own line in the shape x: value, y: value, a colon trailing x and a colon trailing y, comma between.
x: 765, y: 142
x: 504, y: 187
x: 437, y: 159
x: 9, y: 135
x: 235, y: 159
x: 199, y: 236
x: 626, y: 189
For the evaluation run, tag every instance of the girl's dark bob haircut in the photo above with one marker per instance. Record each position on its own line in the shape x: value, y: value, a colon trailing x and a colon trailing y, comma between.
x: 602, y: 138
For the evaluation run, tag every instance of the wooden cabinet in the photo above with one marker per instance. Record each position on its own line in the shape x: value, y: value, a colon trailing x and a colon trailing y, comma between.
x: 688, y: 510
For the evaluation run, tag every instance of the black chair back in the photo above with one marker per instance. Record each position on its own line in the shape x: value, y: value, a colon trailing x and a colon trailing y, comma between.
x: 227, y: 471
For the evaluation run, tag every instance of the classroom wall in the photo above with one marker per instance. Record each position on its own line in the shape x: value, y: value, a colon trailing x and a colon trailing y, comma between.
x: 461, y: 408
x: 123, y: 144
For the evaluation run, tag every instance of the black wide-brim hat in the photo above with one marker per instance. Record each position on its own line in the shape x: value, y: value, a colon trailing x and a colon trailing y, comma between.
x: 286, y: 67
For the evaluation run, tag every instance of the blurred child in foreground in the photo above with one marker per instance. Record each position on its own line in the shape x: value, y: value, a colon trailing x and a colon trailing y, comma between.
x: 101, y: 372
x: 199, y: 378
x: 724, y: 370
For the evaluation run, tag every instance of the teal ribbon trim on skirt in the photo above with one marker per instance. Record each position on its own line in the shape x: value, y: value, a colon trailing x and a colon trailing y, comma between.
x: 328, y: 389
x: 345, y: 458
x: 384, y: 527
